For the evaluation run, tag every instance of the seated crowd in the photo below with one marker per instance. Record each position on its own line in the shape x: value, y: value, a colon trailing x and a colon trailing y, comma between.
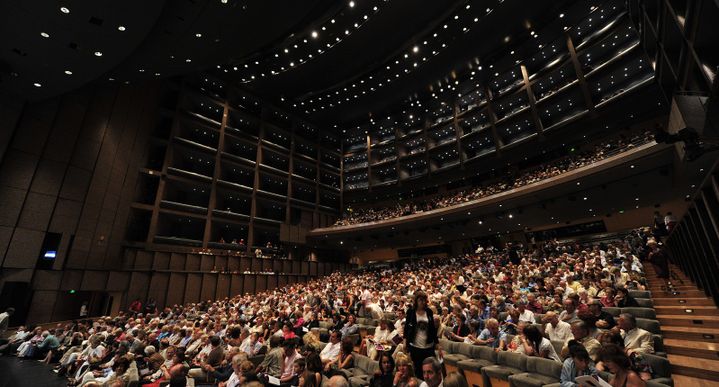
x: 550, y: 169
x: 308, y: 334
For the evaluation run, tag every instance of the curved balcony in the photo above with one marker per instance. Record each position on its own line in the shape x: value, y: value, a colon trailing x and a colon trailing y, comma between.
x: 567, y: 179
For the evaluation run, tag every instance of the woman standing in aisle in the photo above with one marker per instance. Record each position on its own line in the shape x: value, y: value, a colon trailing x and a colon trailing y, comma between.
x: 420, y: 332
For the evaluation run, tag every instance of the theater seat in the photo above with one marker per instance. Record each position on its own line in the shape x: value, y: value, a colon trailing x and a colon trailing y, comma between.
x: 662, y: 370
x: 362, y: 372
x: 612, y: 310
x: 482, y: 356
x: 645, y: 302
x: 540, y: 372
x: 641, y: 312
x: 649, y: 325
x: 509, y: 363
x: 458, y: 352
x: 640, y: 293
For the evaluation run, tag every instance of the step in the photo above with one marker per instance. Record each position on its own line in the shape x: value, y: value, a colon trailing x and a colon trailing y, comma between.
x: 663, y: 288
x: 700, y: 310
x: 693, y: 366
x: 706, y: 350
x: 697, y: 333
x: 678, y: 301
x: 688, y: 381
x: 688, y: 320
x: 681, y: 294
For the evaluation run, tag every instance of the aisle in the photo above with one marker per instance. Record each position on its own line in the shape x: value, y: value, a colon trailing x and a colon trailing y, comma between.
x: 690, y: 327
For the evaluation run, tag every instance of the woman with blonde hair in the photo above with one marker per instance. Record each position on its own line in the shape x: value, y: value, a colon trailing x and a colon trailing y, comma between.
x: 405, y: 371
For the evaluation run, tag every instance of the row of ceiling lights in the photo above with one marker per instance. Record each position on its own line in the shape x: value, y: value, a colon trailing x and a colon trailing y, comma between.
x: 302, y: 48
x: 452, y: 82
x: 460, y: 22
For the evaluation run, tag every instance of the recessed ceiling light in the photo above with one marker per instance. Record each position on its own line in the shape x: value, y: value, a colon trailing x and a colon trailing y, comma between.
x: 198, y: 35
x: 188, y: 60
x: 44, y: 34
x: 64, y: 9
x: 121, y: 28
x: 561, y: 15
x: 36, y: 84
x: 98, y: 53
x: 314, y: 34
x: 415, y: 49
x: 68, y: 72
x: 352, y: 4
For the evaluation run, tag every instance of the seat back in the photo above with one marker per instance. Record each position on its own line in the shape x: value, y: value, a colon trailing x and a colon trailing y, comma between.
x: 485, y: 353
x: 513, y: 360
x: 325, y: 324
x: 465, y: 349
x: 641, y: 312
x: 446, y: 345
x: 645, y: 302
x: 640, y: 293
x: 658, y: 343
x: 502, y: 316
x: 612, y: 310
x: 542, y: 366
x: 649, y: 325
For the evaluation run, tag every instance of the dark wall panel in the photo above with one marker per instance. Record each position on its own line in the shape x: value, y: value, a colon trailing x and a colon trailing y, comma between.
x: 139, y: 285
x: 192, y: 287
x: 209, y: 285
x: 236, y: 285
x: 223, y: 286
x: 176, y: 289
x: 158, y: 287
x: 24, y: 248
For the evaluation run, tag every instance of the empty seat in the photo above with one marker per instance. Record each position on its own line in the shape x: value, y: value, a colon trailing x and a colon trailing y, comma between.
x: 509, y: 363
x: 645, y: 302
x: 641, y: 312
x: 458, y: 352
x: 640, y: 293
x: 482, y: 356
x: 540, y: 372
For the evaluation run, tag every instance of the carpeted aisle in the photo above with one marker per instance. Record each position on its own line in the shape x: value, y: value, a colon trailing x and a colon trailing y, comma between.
x: 15, y: 372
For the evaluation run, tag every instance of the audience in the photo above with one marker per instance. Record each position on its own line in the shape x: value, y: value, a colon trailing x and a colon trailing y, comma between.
x: 565, y: 164
x: 577, y: 364
x: 463, y: 297
x: 618, y: 363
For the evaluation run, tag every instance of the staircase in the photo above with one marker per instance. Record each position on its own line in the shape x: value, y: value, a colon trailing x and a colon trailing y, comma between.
x: 690, y: 328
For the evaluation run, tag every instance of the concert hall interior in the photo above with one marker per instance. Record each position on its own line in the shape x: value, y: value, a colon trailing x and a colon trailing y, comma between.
x: 384, y: 193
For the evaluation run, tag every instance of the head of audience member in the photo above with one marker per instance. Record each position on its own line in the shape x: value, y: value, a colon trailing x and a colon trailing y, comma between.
x: 614, y: 358
x: 569, y: 305
x: 626, y: 322
x: 551, y: 318
x: 579, y: 329
x: 335, y: 337
x: 420, y: 301
x: 432, y: 372
x: 578, y: 353
x: 347, y: 345
x: 455, y: 379
x: 338, y: 380
x: 386, y: 364
x: 492, y: 325
x: 404, y: 367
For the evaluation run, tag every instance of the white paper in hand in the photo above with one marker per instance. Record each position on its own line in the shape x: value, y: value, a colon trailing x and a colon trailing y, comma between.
x: 588, y: 380
x: 273, y: 380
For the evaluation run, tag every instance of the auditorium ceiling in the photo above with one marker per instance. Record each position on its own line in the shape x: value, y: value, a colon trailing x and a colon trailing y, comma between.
x: 324, y: 59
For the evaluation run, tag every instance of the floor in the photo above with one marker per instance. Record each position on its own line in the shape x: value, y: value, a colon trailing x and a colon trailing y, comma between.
x: 15, y: 372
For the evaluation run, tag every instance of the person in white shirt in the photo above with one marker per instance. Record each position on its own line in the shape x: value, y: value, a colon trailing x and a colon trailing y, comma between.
x: 525, y: 314
x: 5, y: 320
x: 234, y: 380
x: 382, y: 337
x: 635, y: 339
x: 556, y: 329
x: 332, y: 350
